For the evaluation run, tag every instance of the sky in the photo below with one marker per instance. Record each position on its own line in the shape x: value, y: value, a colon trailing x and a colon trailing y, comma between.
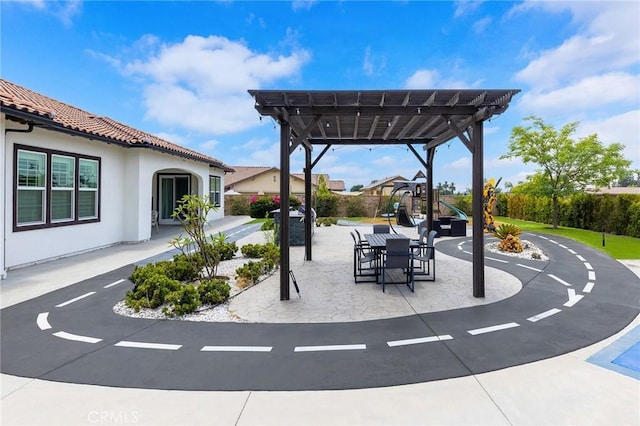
x: 181, y: 70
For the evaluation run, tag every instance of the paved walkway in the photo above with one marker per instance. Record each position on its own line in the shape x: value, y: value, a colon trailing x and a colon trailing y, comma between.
x: 562, y: 390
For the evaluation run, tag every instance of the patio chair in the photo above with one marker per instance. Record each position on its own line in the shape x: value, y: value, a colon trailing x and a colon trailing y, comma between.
x: 360, y: 239
x: 425, y: 258
x: 398, y: 255
x: 154, y: 221
x: 364, y: 262
x: 381, y: 229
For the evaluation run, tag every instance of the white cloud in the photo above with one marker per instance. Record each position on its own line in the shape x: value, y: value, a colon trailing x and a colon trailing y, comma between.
x: 428, y: 79
x: 201, y: 83
x: 173, y: 138
x: 462, y: 163
x: 623, y: 128
x: 591, y: 92
x: 609, y: 42
x: 209, y: 146
x: 64, y: 10
x: 302, y: 4
x: 481, y: 24
x: 372, y: 64
x: 465, y: 7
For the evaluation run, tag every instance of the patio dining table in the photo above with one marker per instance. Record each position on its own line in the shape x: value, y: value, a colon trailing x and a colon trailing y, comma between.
x: 378, y: 242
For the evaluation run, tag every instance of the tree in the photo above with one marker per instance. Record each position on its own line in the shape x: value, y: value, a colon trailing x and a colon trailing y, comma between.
x: 566, y: 165
x: 356, y: 188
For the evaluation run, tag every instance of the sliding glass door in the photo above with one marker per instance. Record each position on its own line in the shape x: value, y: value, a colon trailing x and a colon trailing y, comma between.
x: 171, y: 190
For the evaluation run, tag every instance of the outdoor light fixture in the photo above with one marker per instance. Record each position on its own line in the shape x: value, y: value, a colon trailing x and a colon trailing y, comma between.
x: 298, y: 111
x: 328, y: 124
x: 358, y: 113
x: 419, y: 112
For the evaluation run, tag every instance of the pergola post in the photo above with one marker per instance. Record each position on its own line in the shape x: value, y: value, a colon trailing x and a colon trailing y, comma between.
x: 307, y: 203
x: 430, y: 154
x: 477, y: 207
x: 285, y: 138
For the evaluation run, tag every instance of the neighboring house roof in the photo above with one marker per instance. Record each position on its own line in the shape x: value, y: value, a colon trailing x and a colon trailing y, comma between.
x: 380, y: 182
x: 336, y: 185
x: 242, y: 173
x: 28, y: 105
x: 332, y: 185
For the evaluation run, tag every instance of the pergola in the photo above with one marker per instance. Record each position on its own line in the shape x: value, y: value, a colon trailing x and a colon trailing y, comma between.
x: 381, y: 117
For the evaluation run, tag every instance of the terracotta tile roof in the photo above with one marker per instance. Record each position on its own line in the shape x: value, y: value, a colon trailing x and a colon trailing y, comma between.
x: 60, y: 116
x: 336, y: 185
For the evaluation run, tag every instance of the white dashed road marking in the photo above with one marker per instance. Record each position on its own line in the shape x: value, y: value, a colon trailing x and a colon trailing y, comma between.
x: 592, y: 275
x: 496, y: 260
x: 580, y: 258
x: 76, y: 338
x: 544, y: 315
x: 43, y: 321
x: 587, y: 288
x: 528, y: 267
x: 68, y: 302
x: 236, y: 348
x: 493, y: 328
x: 114, y: 284
x: 561, y: 281
x: 419, y: 340
x: 588, y: 266
x: 329, y: 348
x: 144, y: 345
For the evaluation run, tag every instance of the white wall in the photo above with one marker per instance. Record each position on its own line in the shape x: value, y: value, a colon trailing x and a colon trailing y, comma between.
x: 125, y: 201
x: 3, y: 186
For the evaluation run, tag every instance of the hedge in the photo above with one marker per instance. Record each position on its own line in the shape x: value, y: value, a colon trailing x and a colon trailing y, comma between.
x: 615, y: 214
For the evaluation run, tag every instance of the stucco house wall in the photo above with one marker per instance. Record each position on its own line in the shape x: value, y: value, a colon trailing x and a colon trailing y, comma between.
x: 128, y: 190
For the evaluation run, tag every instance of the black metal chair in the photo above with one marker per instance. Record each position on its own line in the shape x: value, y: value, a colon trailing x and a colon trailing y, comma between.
x: 398, y: 255
x: 360, y: 239
x: 364, y: 262
x: 425, y: 258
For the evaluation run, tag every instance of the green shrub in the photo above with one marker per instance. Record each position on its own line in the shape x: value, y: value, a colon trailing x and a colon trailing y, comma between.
x: 252, y: 251
x: 633, y: 230
x: 183, y: 300
x: 238, y: 205
x: 251, y: 271
x: 213, y: 292
x: 464, y: 203
x: 355, y: 206
x: 326, y: 221
x: 184, y: 267
x: 261, y: 207
x: 326, y: 205
x: 268, y: 225
x: 226, y: 249
x: 151, y: 291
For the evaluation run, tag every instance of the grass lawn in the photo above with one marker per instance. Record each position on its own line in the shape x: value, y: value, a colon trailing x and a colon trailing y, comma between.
x: 616, y: 246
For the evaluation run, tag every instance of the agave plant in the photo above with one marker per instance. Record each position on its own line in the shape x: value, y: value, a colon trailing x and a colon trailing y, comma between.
x: 508, y: 233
